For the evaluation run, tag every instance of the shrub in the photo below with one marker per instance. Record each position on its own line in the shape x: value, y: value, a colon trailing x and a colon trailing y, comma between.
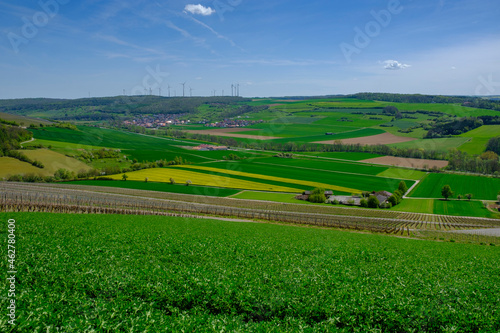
x: 15, y: 178
x: 402, y: 187
x: 317, y: 195
x: 393, y: 200
x: 38, y: 164
x: 63, y: 174
x: 385, y: 205
x: 317, y: 198
x: 363, y: 203
x: 373, y: 202
x: 446, y: 192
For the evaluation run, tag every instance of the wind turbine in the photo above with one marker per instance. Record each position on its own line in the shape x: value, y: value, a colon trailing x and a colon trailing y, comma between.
x: 232, y: 87
x: 168, y: 90
x: 183, y: 88
x: 190, y: 92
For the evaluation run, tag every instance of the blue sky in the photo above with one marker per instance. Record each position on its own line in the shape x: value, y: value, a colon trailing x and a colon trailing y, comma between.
x: 68, y: 48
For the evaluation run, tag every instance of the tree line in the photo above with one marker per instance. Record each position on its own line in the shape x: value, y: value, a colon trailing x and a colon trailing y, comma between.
x: 469, y: 101
x: 445, y: 128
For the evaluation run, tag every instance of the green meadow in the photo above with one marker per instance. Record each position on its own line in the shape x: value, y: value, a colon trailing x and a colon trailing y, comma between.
x: 442, y: 207
x: 478, y: 138
x: 483, y: 188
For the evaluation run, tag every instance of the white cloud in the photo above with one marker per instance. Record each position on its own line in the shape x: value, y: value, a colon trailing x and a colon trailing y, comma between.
x: 199, y: 9
x: 394, y: 65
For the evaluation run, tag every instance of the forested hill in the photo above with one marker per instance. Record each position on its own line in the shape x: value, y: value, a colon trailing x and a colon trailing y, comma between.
x: 471, y: 101
x: 115, y: 105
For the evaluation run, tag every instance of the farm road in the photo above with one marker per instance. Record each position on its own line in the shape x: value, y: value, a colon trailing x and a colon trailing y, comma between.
x: 483, y: 232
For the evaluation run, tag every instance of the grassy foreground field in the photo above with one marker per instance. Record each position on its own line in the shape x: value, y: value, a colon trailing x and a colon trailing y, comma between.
x: 121, y: 273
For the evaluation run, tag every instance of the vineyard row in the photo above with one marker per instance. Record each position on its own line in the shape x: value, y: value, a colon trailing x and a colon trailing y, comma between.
x: 71, y: 201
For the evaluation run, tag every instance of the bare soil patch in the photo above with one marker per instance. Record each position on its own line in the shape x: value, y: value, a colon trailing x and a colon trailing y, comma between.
x: 232, y: 132
x: 407, y: 162
x: 379, y: 139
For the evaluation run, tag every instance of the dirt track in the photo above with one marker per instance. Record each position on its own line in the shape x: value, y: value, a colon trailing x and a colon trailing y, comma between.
x: 407, y: 162
x: 232, y: 132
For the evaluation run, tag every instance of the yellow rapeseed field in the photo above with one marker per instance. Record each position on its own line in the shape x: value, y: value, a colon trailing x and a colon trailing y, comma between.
x: 196, y: 178
x: 305, y: 183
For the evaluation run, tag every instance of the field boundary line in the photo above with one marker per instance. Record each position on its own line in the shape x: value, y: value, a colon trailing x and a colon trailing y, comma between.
x: 333, y: 171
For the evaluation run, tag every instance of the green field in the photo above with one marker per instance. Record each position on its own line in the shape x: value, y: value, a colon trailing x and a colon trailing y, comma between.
x: 450, y: 207
x: 276, y: 197
x: 360, y: 182
x: 51, y: 160
x: 140, y: 147
x: 22, y: 120
x: 343, y: 155
x: 10, y: 166
x: 401, y: 173
x: 54, y: 161
x: 353, y: 133
x: 160, y: 187
x: 61, y: 146
x: 443, y: 144
x: 481, y: 187
x: 479, y: 138
x: 315, y: 164
x: 110, y: 273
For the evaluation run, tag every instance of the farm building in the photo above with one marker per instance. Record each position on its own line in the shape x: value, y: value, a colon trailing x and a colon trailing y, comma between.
x: 382, y: 196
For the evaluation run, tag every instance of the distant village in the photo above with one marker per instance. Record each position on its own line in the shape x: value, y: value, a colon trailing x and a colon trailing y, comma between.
x: 228, y: 123
x: 158, y: 120
x: 165, y: 120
